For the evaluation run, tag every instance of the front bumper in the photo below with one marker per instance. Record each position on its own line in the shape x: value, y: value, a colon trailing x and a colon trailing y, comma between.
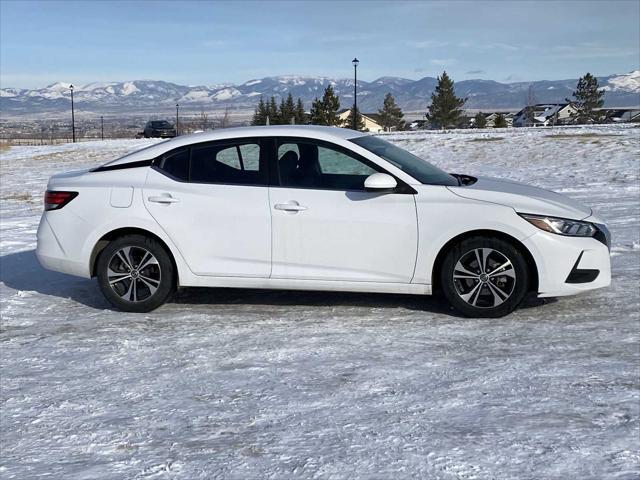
x: 164, y: 133
x: 569, y: 265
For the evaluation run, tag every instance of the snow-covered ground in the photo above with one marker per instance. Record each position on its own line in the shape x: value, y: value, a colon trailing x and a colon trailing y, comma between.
x: 244, y: 384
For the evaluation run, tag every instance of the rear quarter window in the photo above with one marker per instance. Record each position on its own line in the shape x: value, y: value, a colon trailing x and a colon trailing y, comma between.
x: 176, y: 164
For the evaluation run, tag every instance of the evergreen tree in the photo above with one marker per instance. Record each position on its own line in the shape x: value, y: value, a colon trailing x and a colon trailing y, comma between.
x: 445, y: 109
x: 316, y: 115
x: 480, y: 121
x: 587, y: 98
x: 325, y: 111
x: 272, y: 112
x: 391, y: 115
x: 348, y: 123
x: 287, y: 110
x: 500, y: 121
x: 260, y: 113
x: 290, y: 109
x: 282, y: 113
x: 331, y: 104
x: 299, y: 115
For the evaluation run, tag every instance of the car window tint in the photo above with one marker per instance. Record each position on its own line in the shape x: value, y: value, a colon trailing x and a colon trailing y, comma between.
x: 229, y: 156
x: 418, y: 168
x: 226, y: 164
x: 250, y: 155
x: 338, y: 163
x: 285, y: 147
x: 176, y: 164
x: 307, y: 165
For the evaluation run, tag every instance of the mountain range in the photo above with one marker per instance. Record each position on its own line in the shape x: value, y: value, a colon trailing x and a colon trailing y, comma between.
x: 152, y: 96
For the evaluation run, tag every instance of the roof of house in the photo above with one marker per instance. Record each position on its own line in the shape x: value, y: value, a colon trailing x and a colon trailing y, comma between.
x: 543, y: 111
x: 376, y: 117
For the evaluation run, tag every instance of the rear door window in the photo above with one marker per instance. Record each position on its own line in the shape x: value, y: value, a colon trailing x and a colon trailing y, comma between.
x: 227, y: 163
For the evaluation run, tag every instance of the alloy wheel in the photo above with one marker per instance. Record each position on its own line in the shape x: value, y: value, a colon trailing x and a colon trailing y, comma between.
x: 134, y: 273
x: 484, y: 278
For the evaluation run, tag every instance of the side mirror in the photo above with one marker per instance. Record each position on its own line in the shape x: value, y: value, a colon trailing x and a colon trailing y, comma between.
x: 380, y: 182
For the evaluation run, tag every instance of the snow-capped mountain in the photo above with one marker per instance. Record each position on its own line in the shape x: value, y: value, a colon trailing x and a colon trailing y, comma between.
x: 150, y: 95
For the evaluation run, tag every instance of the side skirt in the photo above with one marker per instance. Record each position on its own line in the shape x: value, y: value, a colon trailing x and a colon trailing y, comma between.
x: 319, y: 285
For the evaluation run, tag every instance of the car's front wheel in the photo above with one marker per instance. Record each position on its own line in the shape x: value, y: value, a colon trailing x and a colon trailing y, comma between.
x: 484, y: 277
x: 135, y: 273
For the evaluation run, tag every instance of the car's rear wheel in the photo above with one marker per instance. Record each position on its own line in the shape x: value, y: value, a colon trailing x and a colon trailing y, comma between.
x: 484, y: 277
x: 135, y: 273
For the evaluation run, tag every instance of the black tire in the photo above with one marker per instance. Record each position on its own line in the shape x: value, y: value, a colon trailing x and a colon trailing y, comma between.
x: 485, y: 291
x: 133, y: 290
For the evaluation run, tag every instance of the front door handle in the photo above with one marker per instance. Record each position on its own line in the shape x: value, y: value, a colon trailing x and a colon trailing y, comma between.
x: 163, y: 199
x: 292, y: 206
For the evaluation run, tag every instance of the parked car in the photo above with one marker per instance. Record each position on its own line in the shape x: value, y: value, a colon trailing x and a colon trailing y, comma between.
x: 314, y: 208
x: 159, y: 129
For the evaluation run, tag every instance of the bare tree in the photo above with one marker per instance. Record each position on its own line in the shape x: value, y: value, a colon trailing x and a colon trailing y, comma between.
x: 531, y: 102
x: 203, y: 120
x: 225, y: 121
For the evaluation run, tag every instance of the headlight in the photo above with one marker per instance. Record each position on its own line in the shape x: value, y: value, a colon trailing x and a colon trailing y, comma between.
x: 561, y: 226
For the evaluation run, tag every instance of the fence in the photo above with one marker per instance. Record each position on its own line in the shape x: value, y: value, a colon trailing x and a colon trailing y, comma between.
x: 52, y: 132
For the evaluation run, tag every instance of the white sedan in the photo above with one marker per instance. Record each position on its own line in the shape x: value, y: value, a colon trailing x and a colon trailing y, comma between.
x: 314, y: 208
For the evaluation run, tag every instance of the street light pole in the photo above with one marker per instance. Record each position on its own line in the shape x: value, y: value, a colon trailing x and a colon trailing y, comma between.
x: 102, y: 127
x: 177, y: 120
x: 73, y: 117
x: 355, y: 63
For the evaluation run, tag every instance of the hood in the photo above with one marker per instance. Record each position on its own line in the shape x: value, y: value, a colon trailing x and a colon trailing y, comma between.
x: 523, y: 198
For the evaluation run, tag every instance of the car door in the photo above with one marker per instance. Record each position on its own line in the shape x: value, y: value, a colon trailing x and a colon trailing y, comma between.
x: 212, y: 200
x: 325, y: 226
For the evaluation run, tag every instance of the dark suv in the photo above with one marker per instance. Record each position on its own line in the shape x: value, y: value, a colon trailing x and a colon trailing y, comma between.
x: 159, y: 129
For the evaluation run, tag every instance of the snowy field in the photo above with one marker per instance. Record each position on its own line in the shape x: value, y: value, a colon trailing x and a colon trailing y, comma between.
x: 244, y: 384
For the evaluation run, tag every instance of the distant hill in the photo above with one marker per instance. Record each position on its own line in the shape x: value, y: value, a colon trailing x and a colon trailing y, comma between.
x: 146, y: 96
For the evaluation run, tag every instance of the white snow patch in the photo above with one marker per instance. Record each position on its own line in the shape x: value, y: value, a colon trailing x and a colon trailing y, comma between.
x: 629, y: 82
x: 226, y: 94
x: 129, y: 87
x: 196, y: 96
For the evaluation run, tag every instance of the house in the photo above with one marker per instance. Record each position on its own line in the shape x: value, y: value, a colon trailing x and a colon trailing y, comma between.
x: 490, y: 117
x: 371, y: 120
x: 621, y: 115
x: 544, y: 115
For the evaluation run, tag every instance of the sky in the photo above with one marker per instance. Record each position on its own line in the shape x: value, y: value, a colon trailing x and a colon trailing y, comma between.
x: 207, y: 43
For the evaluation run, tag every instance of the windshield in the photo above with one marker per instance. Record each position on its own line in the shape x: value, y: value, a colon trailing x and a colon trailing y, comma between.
x: 418, y: 168
x: 160, y: 124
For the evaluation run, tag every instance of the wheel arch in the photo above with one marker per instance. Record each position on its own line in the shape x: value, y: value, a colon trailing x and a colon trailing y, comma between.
x: 437, y: 264
x: 120, y: 232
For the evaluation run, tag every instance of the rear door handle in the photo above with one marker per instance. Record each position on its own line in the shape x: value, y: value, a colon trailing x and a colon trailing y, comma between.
x: 163, y: 199
x: 290, y: 207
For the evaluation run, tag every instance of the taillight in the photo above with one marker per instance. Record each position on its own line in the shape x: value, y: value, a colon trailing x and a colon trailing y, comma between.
x: 54, y: 200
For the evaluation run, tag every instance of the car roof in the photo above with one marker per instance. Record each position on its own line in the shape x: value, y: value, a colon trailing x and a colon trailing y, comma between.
x: 317, y: 132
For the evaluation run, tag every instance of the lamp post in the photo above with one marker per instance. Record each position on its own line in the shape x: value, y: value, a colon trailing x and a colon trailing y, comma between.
x: 73, y: 117
x: 177, y: 120
x: 355, y: 63
x: 102, y: 127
